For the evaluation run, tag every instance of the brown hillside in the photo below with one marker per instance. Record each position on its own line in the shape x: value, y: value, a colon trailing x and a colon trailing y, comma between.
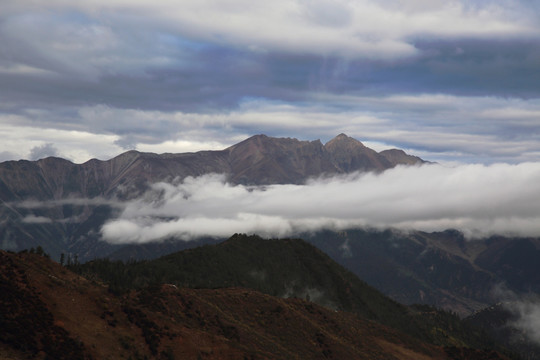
x: 49, y: 311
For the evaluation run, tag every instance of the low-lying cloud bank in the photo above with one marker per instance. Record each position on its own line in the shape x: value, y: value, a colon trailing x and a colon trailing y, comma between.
x: 525, y: 314
x: 476, y: 199
x: 528, y: 318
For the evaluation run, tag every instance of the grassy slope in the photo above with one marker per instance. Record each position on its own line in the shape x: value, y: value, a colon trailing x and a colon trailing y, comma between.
x: 286, y: 268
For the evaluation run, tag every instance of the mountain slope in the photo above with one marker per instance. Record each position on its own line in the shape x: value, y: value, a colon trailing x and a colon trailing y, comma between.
x: 504, y: 323
x: 67, y: 317
x: 351, y: 155
x: 441, y: 268
x: 264, y: 160
x: 285, y: 268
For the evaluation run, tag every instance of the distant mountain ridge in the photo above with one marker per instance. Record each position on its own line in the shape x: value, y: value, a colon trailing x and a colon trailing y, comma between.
x: 439, y: 268
x: 258, y: 160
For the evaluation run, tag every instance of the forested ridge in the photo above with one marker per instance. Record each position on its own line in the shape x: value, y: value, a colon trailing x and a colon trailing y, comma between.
x: 285, y: 268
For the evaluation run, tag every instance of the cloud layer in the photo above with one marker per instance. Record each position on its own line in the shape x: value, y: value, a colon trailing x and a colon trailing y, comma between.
x: 528, y: 314
x: 476, y: 199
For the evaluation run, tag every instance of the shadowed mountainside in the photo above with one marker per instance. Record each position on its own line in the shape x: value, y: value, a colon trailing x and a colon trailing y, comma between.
x: 67, y: 316
x: 441, y: 268
x: 285, y: 268
x: 502, y: 322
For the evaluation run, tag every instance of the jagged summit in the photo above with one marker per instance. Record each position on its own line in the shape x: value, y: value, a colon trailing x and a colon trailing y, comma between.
x: 343, y: 140
x: 262, y: 141
x: 350, y: 155
x: 261, y: 159
x: 398, y: 156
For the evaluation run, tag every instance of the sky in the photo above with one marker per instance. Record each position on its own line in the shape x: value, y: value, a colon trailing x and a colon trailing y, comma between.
x: 455, y: 82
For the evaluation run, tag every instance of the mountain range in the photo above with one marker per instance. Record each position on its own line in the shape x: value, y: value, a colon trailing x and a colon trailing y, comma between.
x: 440, y: 268
x: 61, y: 206
x: 259, y: 160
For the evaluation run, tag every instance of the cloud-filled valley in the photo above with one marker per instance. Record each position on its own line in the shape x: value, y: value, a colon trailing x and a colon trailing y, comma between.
x: 478, y: 200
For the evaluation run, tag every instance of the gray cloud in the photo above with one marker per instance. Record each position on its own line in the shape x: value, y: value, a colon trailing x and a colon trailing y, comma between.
x: 479, y: 200
x: 155, y: 57
x: 215, y: 78
x: 366, y: 29
x: 43, y: 151
x: 437, y: 127
x: 528, y: 313
x: 7, y: 155
x: 525, y: 310
x: 32, y: 219
x: 34, y: 204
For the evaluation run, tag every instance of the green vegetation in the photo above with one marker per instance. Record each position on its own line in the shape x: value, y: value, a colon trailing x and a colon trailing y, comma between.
x: 284, y: 268
x: 39, y: 251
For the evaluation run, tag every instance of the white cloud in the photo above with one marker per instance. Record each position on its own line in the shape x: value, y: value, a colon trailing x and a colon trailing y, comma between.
x: 32, y: 219
x: 476, y: 199
x: 181, y: 146
x: 525, y: 311
x: 77, y: 146
x: 435, y: 126
x: 528, y: 318
x: 23, y: 70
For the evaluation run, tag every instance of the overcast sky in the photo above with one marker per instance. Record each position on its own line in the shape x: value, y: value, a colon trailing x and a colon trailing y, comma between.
x: 450, y: 81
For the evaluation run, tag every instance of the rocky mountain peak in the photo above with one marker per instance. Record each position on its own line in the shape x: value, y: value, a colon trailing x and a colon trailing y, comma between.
x: 398, y: 156
x: 351, y: 155
x: 342, y: 142
x: 262, y: 159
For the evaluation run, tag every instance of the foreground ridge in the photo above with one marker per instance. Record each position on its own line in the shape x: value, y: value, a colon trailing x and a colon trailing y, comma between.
x: 68, y: 317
